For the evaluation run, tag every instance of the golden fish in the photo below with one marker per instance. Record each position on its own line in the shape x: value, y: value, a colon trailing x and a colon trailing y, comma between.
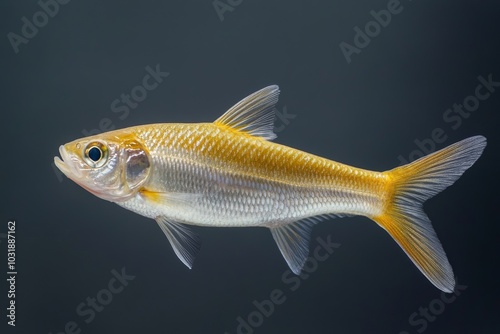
x: 228, y: 173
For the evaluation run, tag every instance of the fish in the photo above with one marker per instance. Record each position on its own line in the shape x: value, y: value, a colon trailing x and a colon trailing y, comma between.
x: 229, y: 173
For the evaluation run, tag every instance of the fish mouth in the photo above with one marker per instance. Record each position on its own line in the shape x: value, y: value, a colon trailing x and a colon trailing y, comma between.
x: 69, y: 166
x: 65, y: 164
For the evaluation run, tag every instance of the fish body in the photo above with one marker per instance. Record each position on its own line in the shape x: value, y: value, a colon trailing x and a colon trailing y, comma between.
x: 230, y: 174
x: 231, y: 179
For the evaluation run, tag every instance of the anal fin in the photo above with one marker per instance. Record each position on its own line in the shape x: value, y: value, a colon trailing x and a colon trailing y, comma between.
x: 293, y: 240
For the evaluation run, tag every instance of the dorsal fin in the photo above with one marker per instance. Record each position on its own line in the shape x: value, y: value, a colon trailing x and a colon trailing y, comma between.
x: 254, y: 114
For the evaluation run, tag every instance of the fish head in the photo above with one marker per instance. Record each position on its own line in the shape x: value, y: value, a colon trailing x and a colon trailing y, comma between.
x: 112, y: 167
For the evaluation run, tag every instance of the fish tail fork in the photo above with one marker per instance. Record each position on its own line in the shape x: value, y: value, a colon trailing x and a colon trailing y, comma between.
x: 408, y: 187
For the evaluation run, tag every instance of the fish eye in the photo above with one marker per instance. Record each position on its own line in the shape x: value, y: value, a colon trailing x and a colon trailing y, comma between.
x: 96, y: 154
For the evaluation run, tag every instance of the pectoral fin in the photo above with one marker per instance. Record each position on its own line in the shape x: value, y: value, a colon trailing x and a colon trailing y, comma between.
x: 185, y: 242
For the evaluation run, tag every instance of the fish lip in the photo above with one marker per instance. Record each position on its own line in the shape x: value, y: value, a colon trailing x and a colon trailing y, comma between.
x: 60, y: 163
x: 65, y: 164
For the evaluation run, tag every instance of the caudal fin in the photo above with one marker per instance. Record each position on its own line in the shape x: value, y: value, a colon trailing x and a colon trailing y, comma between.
x: 408, y: 188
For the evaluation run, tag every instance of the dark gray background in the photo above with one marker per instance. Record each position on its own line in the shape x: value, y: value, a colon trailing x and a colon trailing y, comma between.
x: 365, y: 113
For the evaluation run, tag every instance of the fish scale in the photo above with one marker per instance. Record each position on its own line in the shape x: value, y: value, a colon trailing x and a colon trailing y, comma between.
x: 233, y: 178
